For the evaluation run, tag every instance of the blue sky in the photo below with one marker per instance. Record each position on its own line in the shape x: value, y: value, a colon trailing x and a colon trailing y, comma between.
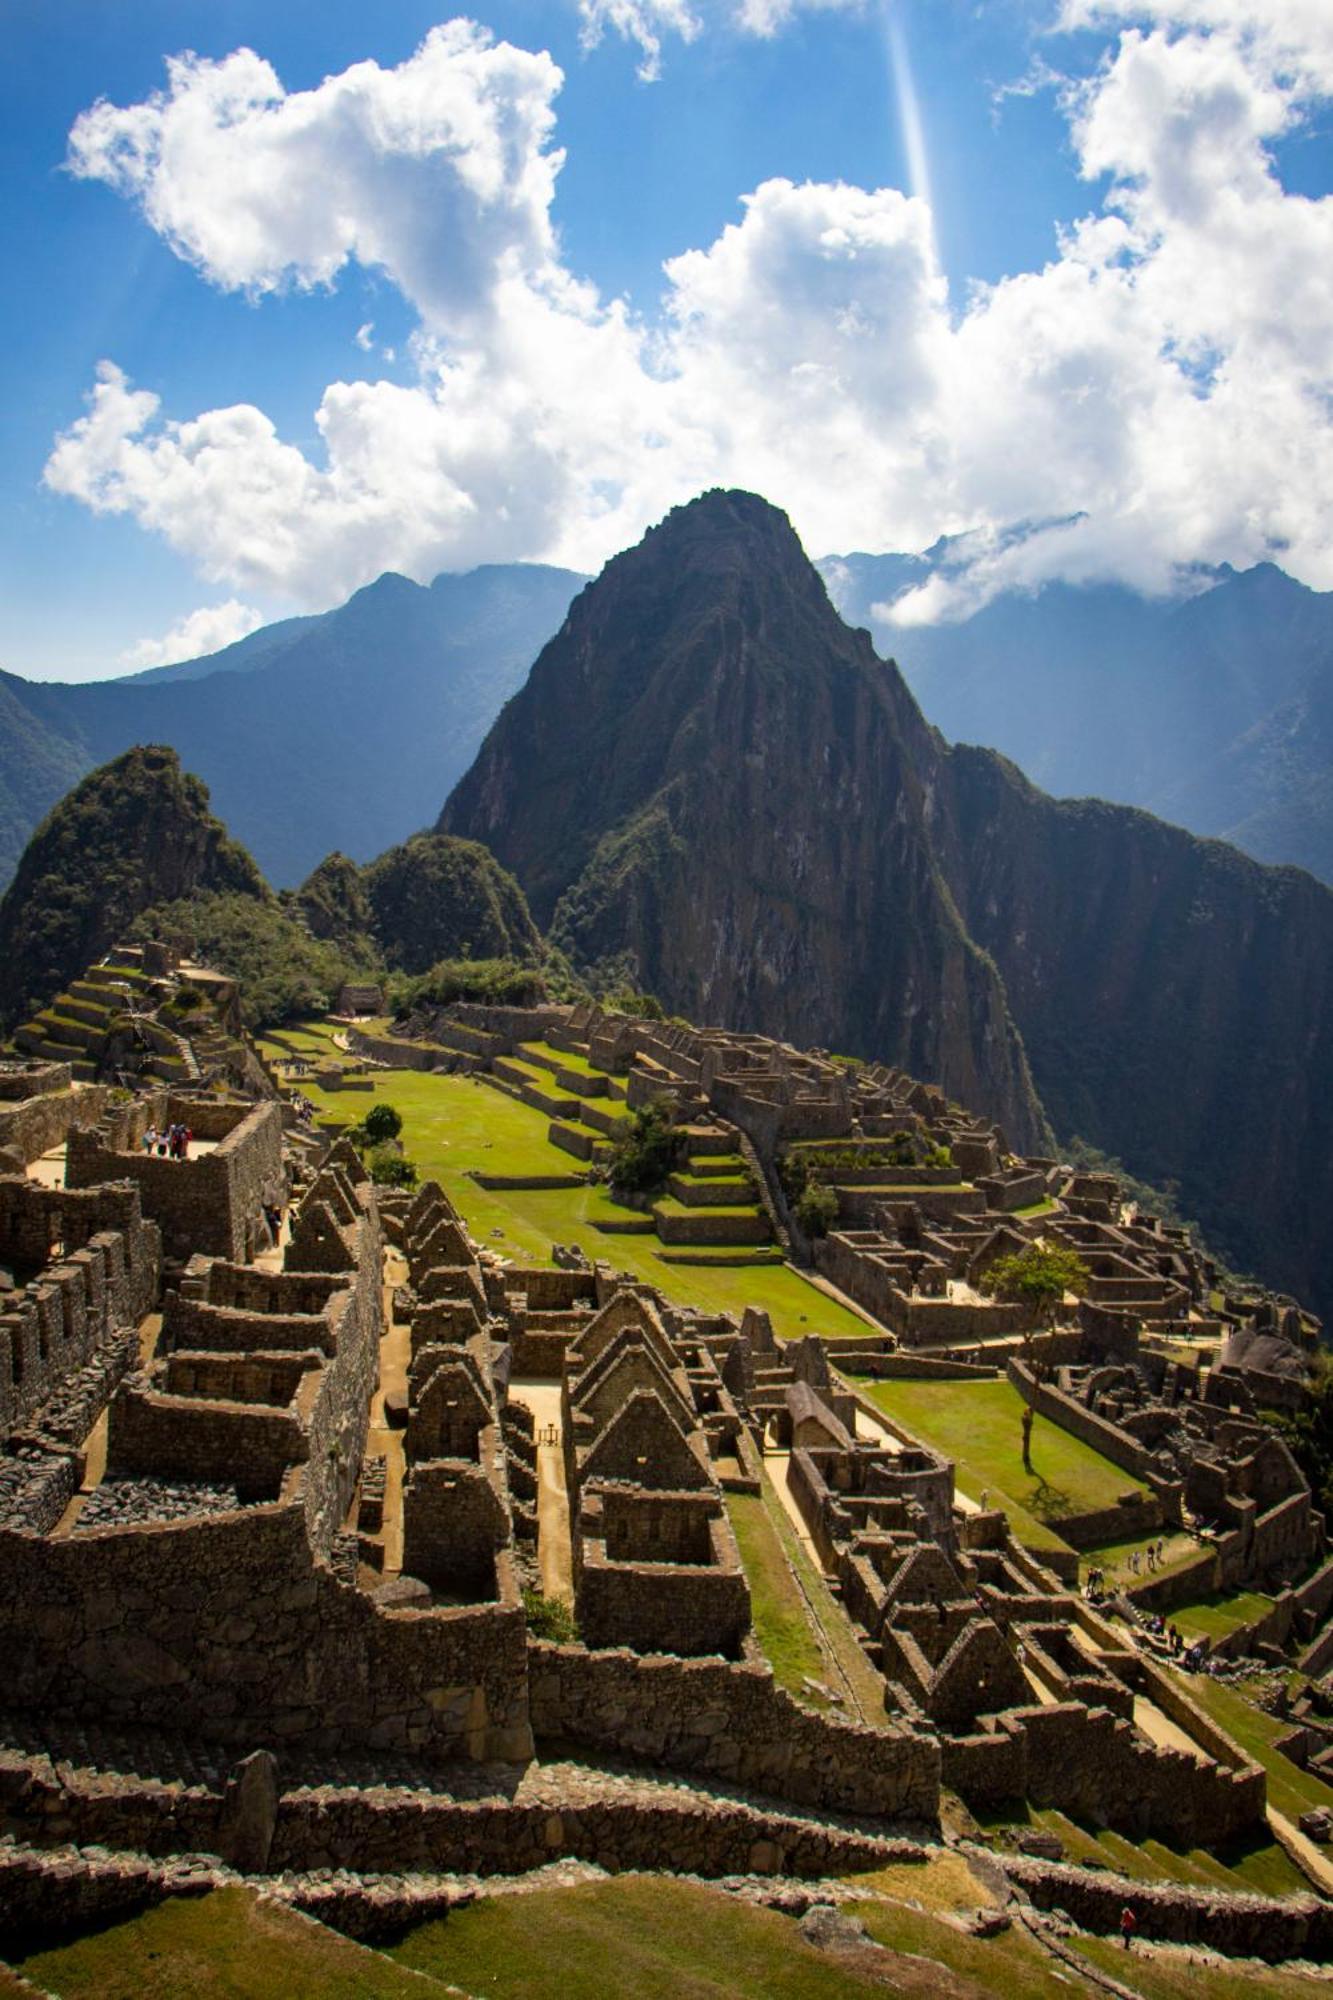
x: 933, y: 266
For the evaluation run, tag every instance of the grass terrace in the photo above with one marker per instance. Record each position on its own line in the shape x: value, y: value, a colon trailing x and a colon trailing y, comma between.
x: 218, y: 1947
x: 1253, y: 1865
x: 454, y: 1124
x: 979, y: 1426
x: 1219, y: 1615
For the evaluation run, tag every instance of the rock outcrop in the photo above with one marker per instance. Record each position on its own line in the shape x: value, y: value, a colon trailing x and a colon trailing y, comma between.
x: 709, y: 772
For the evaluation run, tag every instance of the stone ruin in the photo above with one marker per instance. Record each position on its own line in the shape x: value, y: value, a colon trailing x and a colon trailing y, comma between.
x: 277, y: 1523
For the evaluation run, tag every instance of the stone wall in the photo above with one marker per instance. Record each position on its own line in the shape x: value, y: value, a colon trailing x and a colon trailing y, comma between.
x: 1091, y: 1764
x: 1244, y: 1926
x: 99, y: 1283
x: 1079, y: 1421
x: 35, y: 1125
x: 225, y: 1628
x: 1134, y: 1516
x: 208, y: 1204
x: 731, y: 1722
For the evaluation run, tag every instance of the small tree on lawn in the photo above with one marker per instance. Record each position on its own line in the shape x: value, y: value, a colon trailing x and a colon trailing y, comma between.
x: 1037, y: 1277
x: 381, y: 1123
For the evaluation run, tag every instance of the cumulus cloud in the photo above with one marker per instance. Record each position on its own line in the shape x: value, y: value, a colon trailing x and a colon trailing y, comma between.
x: 1158, y: 395
x: 436, y: 173
x: 204, y: 631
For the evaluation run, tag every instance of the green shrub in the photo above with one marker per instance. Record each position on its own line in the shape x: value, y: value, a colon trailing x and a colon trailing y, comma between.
x: 388, y: 1167
x: 549, y: 1618
x: 817, y: 1208
x: 645, y: 1151
x: 492, y: 982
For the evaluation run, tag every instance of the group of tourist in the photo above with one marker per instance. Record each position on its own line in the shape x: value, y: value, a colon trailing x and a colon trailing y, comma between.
x: 172, y: 1142
x: 1159, y: 1629
x: 1152, y: 1558
x: 304, y: 1109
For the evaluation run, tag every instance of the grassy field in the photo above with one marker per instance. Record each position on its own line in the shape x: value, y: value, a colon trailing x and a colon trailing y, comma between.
x: 1221, y: 1613
x: 978, y: 1424
x: 452, y: 1124
x: 636, y: 1935
x: 1113, y: 1557
x: 780, y: 1620
x: 224, y: 1946
x: 1170, y: 1973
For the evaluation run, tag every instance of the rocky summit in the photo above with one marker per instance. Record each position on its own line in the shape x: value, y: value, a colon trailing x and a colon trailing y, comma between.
x: 709, y: 773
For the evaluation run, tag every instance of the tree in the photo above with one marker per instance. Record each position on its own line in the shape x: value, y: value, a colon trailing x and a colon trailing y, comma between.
x: 644, y: 1151
x: 388, y: 1168
x: 1038, y: 1277
x: 817, y: 1208
x: 381, y: 1123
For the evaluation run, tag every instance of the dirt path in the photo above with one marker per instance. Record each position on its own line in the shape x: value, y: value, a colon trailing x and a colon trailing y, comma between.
x: 381, y: 1440
x: 554, y: 1554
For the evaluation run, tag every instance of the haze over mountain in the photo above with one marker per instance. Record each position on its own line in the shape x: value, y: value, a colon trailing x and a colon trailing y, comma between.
x: 315, y: 734
x: 707, y: 771
x: 1215, y: 711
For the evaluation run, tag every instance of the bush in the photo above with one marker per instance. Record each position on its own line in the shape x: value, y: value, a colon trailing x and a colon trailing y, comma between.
x: 1037, y: 1277
x: 493, y: 982
x: 388, y: 1168
x: 817, y: 1208
x: 549, y: 1618
x: 382, y: 1122
x: 644, y: 1154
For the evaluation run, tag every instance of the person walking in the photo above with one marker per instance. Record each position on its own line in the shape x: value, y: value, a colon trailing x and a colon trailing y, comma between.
x: 1129, y: 1923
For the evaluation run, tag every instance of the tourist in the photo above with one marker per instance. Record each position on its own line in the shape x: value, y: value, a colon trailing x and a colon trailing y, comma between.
x: 1129, y: 1923
x: 150, y: 1139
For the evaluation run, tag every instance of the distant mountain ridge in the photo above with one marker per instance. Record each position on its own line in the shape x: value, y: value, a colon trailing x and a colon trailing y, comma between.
x: 709, y: 775
x: 1214, y: 710
x: 313, y: 735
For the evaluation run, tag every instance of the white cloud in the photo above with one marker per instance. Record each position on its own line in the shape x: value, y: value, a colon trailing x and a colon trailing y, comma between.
x: 648, y: 23
x: 365, y: 336
x: 1159, y: 395
x: 204, y: 631
x: 436, y: 173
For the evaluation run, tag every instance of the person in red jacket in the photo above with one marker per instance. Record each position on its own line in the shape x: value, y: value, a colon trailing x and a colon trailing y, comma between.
x: 1129, y: 1923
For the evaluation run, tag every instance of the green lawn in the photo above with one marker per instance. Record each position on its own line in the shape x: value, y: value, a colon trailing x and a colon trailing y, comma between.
x: 1113, y: 1557
x: 1172, y: 1974
x: 780, y: 1620
x: 978, y: 1425
x: 224, y: 1946
x: 650, y: 1937
x: 452, y: 1124
x: 1215, y: 1616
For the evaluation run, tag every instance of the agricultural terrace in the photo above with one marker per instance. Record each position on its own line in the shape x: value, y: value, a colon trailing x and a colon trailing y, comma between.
x: 453, y: 1124
x: 979, y: 1426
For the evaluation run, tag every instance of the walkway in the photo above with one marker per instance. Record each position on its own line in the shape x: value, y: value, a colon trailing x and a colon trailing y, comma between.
x: 554, y: 1550
x: 382, y: 1441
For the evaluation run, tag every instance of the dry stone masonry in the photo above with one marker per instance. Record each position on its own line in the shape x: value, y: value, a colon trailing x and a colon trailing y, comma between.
x: 281, y: 1526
